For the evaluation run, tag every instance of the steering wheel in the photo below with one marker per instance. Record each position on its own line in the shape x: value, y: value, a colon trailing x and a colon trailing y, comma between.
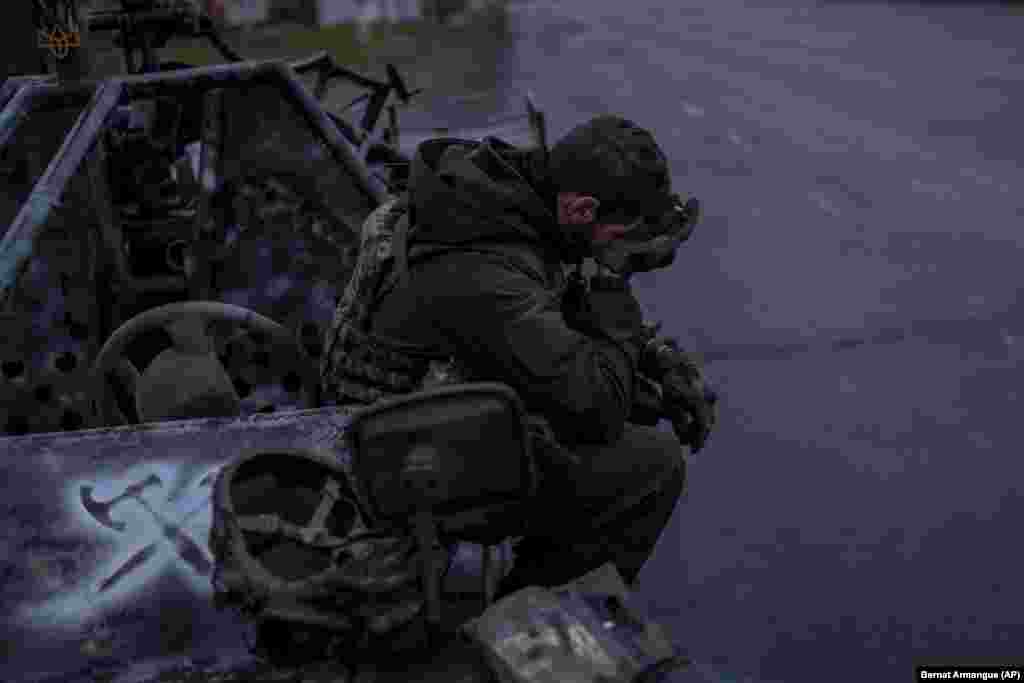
x: 109, y: 360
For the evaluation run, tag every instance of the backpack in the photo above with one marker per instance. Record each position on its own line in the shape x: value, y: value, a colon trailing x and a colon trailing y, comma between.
x: 354, y: 369
x: 373, y: 261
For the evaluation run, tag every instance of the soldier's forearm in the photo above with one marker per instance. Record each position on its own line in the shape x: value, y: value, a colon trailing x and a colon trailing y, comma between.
x: 647, y: 402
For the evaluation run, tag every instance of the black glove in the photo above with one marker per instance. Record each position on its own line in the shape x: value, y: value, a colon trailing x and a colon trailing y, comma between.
x: 692, y: 408
x: 688, y: 401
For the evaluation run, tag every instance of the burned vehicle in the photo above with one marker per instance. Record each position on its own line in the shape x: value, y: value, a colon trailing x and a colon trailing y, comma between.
x: 151, y: 198
x: 175, y: 240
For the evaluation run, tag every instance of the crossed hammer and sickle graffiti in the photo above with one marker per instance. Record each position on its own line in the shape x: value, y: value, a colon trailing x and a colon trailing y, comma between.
x: 171, y: 531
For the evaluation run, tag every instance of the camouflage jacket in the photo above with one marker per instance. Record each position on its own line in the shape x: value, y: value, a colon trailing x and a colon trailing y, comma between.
x: 485, y: 285
x: 356, y: 367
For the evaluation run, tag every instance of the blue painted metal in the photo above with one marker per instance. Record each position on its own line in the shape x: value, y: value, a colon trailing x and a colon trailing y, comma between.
x: 19, y: 97
x: 14, y: 111
x: 271, y: 72
x: 19, y: 242
x: 12, y: 85
x: 81, y: 601
x: 77, y: 596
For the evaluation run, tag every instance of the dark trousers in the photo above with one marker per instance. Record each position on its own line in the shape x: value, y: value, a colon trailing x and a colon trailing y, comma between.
x: 611, y: 506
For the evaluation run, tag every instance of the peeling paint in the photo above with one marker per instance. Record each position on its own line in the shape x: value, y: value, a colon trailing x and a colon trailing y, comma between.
x: 76, y: 592
x: 182, y: 507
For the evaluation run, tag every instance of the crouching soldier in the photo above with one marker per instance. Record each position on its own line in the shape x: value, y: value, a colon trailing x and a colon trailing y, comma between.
x: 466, y: 276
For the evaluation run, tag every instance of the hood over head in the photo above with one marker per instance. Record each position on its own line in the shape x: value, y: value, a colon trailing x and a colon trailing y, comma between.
x: 465, y: 192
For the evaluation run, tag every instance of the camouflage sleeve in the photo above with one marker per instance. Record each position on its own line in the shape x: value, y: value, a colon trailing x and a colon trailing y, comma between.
x: 509, y: 327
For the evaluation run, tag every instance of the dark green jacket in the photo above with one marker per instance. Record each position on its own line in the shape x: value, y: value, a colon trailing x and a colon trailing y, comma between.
x: 485, y: 286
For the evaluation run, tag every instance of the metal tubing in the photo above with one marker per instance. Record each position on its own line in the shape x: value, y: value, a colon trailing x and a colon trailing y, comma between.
x: 18, y: 244
x: 317, y: 116
x: 29, y: 95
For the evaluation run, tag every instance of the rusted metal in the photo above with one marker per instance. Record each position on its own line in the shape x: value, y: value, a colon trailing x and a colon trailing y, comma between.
x: 11, y: 85
x: 380, y: 95
x: 156, y: 284
x: 99, y: 316
x: 7, y: 90
x: 77, y: 64
x: 18, y: 244
x: 267, y: 72
x: 327, y: 68
x: 318, y: 117
x: 138, y: 25
x: 42, y: 582
x: 86, y: 601
x: 106, y: 214
x: 211, y: 155
x: 26, y: 96
x: 70, y: 583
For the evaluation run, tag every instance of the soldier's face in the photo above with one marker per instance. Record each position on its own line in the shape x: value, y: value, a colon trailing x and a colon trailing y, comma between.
x: 577, y: 211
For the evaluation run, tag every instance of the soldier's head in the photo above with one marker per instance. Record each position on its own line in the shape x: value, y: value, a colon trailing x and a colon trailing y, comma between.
x: 611, y: 179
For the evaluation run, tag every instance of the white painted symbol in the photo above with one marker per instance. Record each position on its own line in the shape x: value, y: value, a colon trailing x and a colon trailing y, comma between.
x: 156, y: 528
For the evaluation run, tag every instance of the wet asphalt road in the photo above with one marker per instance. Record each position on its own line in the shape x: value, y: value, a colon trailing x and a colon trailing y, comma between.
x: 854, y: 285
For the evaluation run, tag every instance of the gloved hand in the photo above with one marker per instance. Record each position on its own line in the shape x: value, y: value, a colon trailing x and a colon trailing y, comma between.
x: 687, y: 399
x: 691, y: 406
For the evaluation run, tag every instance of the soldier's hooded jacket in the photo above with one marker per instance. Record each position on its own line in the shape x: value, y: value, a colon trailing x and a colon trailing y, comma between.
x: 485, y: 285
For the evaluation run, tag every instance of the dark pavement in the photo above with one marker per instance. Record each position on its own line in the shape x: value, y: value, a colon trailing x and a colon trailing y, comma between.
x: 854, y: 286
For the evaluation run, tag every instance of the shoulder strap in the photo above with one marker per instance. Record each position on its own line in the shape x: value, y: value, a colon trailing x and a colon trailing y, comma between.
x: 315, y: 533
x: 400, y: 244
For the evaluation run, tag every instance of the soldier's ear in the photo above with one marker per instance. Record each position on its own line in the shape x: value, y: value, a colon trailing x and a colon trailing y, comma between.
x: 564, y: 204
x: 586, y: 208
x: 581, y: 209
x: 576, y: 209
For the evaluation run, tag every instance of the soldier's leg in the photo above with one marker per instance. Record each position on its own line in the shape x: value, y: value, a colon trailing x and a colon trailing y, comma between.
x: 611, y: 507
